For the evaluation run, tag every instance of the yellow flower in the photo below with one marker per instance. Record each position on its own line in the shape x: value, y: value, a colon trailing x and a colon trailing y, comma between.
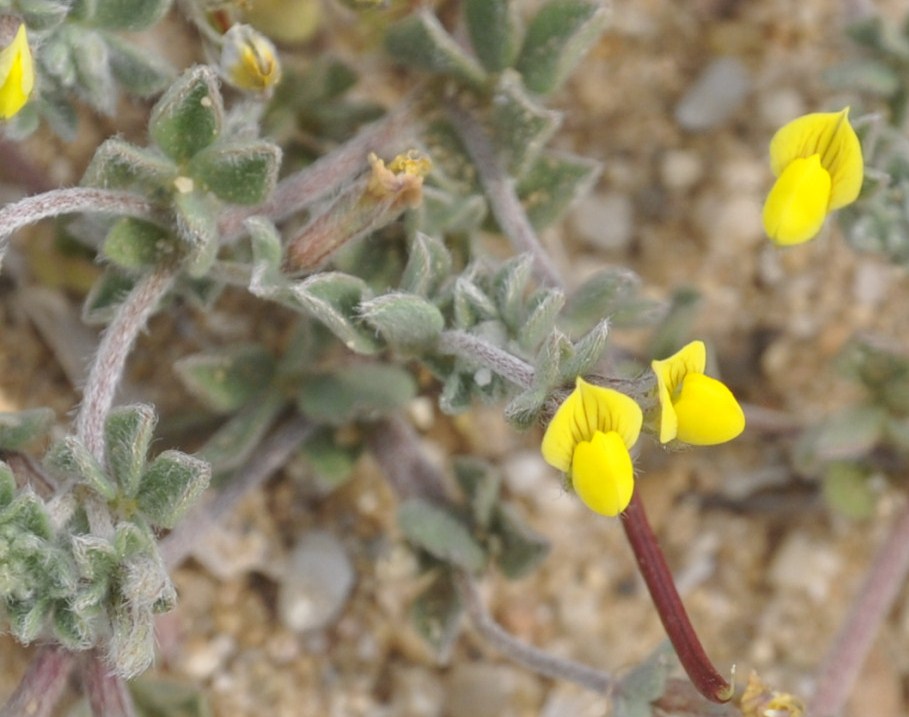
x: 249, y: 60
x: 695, y: 408
x: 817, y: 160
x: 17, y: 74
x: 589, y: 438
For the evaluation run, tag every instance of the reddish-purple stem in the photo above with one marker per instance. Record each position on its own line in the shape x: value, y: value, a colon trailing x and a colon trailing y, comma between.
x: 655, y: 571
x: 107, y: 692
x: 851, y: 646
x: 41, y: 685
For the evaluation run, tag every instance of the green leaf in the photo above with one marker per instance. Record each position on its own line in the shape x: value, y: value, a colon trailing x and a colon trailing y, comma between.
x: 850, y: 434
x: 644, y: 684
x: 127, y: 435
x: 43, y: 14
x: 72, y: 630
x: 7, y: 485
x: 436, y: 612
x: 233, y: 442
x: 238, y: 172
x: 267, y: 249
x: 585, y: 354
x: 455, y: 396
x: 471, y: 304
x: 494, y: 32
x: 27, y: 618
x: 72, y: 459
x: 140, y: 72
x: 599, y: 297
x: 131, y: 15
x: 355, y: 391
x: 428, y: 265
x: 19, y: 428
x: 866, y: 75
x: 331, y: 461
x: 95, y: 81
x: 106, y: 294
x: 520, y: 549
x: 677, y: 325
x: 524, y: 410
x: 521, y: 126
x: 226, y: 380
x: 334, y: 299
x: 188, y: 118
x: 848, y: 491
x: 170, y: 485
x: 544, y: 307
x: 445, y: 213
x: 482, y: 485
x: 131, y: 645
x: 510, y: 286
x: 197, y: 225
x: 136, y: 244
x: 442, y: 535
x: 120, y: 165
x: 553, y: 183
x: 558, y: 36
x: 420, y: 41
x: 406, y: 321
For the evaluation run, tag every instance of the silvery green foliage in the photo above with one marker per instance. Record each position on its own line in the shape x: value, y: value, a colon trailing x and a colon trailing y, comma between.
x: 506, y: 80
x: 81, y: 53
x: 200, y: 160
x: 59, y: 579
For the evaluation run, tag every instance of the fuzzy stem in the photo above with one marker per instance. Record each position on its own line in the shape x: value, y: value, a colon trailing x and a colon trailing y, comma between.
x: 669, y: 605
x: 397, y: 450
x: 500, y: 190
x: 41, y: 685
x: 533, y: 658
x: 110, y: 360
x: 882, y: 584
x: 107, y: 692
x: 73, y: 199
x: 497, y: 360
x: 268, y: 458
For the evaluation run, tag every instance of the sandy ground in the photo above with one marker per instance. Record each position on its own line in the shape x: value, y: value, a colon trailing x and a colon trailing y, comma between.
x: 766, y: 571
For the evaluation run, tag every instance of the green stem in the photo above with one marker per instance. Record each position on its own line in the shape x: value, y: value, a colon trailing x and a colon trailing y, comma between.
x: 655, y: 571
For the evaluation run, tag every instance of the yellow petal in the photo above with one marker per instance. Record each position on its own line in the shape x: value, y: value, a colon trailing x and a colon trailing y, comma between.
x: 829, y: 135
x: 589, y: 409
x: 670, y: 372
x: 797, y: 205
x: 602, y: 473
x: 17, y: 74
x: 707, y: 412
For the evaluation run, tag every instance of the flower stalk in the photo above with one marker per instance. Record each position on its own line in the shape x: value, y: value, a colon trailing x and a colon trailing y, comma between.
x: 656, y: 574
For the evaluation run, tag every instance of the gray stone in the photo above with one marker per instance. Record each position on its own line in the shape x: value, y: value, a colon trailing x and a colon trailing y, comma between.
x: 317, y: 582
x: 716, y: 94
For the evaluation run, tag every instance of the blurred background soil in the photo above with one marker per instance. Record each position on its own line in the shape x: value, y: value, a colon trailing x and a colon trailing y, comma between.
x: 765, y: 569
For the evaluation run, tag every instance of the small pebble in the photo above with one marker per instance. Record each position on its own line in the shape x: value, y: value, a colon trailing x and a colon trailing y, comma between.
x: 681, y: 169
x: 317, y: 582
x: 604, y: 221
x: 716, y: 94
x: 490, y: 690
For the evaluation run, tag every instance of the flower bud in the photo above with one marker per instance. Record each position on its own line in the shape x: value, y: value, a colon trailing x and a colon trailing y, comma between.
x: 249, y: 60
x: 17, y: 74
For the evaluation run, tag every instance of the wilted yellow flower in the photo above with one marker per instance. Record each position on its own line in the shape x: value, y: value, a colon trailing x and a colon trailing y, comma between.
x: 695, y: 408
x: 249, y: 60
x: 17, y: 74
x: 401, y: 180
x: 589, y: 438
x: 817, y: 159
